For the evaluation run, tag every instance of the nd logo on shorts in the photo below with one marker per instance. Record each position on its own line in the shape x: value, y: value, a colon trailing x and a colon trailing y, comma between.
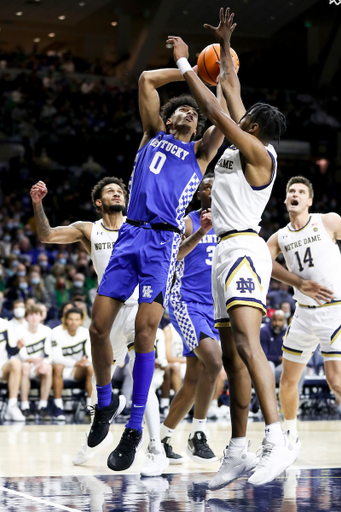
x: 243, y: 285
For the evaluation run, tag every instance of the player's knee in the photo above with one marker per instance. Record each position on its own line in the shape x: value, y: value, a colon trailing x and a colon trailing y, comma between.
x: 26, y: 369
x: 98, y: 333
x: 288, y: 382
x: 335, y: 384
x: 144, y: 338
x: 15, y: 365
x: 58, y: 370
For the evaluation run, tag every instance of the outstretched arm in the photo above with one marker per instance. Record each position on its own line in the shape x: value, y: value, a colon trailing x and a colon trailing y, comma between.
x: 77, y: 232
x: 194, y: 238
x: 149, y: 101
x: 253, y: 150
x: 228, y: 77
x: 306, y: 286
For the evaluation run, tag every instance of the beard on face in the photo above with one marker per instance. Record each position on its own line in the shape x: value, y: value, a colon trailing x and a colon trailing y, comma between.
x: 109, y: 208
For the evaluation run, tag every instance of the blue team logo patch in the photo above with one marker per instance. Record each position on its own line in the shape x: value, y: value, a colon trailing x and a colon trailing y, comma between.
x: 245, y: 285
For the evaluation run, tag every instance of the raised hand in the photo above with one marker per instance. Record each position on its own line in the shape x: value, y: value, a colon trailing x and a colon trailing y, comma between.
x: 180, y: 48
x: 38, y: 192
x: 225, y: 28
x: 206, y: 220
x: 316, y: 291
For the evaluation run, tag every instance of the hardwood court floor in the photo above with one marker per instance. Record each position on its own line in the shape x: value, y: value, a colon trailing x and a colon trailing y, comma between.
x: 36, y: 474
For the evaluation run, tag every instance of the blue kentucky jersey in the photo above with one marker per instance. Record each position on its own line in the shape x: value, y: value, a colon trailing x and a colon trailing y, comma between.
x: 193, y: 273
x: 165, y: 176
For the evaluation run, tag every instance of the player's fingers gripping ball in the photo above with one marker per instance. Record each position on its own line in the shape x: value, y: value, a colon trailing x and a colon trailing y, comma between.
x: 209, y: 63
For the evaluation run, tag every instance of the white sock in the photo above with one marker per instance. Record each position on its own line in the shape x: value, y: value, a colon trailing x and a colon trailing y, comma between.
x: 25, y: 405
x: 274, y: 434
x: 164, y: 402
x: 12, y: 402
x: 88, y: 401
x: 42, y: 403
x: 236, y: 444
x: 58, y: 402
x: 291, y: 425
x: 197, y: 426
x: 214, y: 403
x: 152, y: 419
x: 166, y: 431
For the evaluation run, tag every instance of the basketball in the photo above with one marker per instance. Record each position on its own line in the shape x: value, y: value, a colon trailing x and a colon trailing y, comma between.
x: 208, y: 63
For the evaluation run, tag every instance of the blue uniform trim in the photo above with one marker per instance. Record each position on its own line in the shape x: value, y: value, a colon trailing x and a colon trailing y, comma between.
x: 274, y: 163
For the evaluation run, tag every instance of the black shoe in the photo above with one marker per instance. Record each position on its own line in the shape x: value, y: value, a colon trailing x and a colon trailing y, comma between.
x: 174, y: 458
x: 44, y: 414
x: 124, y: 454
x: 103, y: 417
x: 29, y: 415
x: 198, y: 450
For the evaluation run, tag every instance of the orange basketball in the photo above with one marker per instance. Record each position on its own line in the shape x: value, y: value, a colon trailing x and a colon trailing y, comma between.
x: 208, y: 63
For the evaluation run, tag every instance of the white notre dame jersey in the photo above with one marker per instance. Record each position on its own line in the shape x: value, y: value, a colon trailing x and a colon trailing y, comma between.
x: 67, y: 349
x: 102, y: 242
x: 8, y: 339
x: 37, y: 344
x: 310, y: 253
x: 236, y: 205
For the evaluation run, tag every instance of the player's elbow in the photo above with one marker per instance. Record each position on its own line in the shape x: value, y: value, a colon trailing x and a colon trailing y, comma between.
x: 144, y: 79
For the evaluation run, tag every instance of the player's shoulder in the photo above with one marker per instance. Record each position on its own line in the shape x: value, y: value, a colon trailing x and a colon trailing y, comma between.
x: 4, y: 323
x: 45, y: 329
x: 82, y: 331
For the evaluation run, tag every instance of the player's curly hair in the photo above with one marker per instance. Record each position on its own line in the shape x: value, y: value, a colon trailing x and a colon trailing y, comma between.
x: 271, y: 121
x: 96, y: 192
x: 168, y: 109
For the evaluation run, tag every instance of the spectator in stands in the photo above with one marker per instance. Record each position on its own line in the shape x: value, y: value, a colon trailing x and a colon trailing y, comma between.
x: 37, y: 289
x: 10, y: 369
x: 57, y: 270
x: 19, y: 312
x: 79, y: 300
x: 79, y: 288
x: 71, y: 357
x: 271, y: 338
x: 286, y: 308
x: 35, y: 354
x: 282, y: 295
x: 59, y: 321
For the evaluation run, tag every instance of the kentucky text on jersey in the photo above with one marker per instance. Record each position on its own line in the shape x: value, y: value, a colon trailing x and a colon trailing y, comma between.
x: 168, y: 146
x: 209, y: 239
x: 301, y: 243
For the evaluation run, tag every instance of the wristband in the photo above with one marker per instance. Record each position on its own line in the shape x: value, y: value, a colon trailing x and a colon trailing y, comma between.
x: 183, y: 65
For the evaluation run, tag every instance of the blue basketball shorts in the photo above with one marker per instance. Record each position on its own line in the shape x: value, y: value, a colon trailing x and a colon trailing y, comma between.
x: 194, y: 321
x: 141, y: 256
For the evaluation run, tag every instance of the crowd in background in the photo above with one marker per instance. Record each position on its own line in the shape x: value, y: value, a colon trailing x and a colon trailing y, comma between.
x: 71, y: 132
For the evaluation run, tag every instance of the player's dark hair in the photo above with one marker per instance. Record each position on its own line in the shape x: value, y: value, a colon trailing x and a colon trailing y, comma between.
x: 73, y: 310
x: 270, y: 120
x: 168, y: 109
x: 208, y: 176
x: 96, y: 192
x: 304, y: 181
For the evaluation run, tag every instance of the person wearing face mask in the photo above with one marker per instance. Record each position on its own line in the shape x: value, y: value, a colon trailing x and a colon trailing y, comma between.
x: 38, y: 290
x: 79, y: 287
x: 61, y: 294
x: 5, y: 244
x: 19, y: 310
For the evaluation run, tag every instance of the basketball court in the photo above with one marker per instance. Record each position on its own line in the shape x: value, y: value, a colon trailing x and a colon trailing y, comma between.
x: 37, y: 474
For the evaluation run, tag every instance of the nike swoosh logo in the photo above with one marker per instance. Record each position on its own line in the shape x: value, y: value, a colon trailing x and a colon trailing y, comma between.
x: 163, y: 243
